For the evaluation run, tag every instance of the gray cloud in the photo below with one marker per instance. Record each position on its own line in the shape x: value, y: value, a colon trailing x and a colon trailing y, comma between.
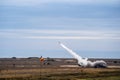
x: 58, y: 34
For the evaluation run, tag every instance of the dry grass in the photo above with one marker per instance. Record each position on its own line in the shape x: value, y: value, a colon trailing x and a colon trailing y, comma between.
x: 60, y: 74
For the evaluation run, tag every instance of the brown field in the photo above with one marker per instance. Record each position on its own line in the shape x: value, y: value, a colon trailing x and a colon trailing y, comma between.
x: 61, y: 74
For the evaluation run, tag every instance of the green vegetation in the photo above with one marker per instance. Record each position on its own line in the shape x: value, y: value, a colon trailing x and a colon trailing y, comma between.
x: 61, y: 74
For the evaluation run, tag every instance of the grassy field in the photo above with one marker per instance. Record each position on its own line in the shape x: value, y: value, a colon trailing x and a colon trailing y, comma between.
x: 61, y: 74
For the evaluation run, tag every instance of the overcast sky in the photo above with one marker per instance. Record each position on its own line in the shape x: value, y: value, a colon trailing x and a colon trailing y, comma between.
x: 33, y: 28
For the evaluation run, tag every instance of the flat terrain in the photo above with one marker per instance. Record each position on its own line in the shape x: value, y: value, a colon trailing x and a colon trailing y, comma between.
x: 61, y: 74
